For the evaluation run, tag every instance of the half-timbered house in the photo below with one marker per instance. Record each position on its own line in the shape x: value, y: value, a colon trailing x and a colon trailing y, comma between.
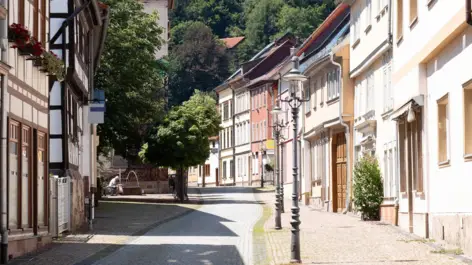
x: 77, y: 34
x: 24, y: 129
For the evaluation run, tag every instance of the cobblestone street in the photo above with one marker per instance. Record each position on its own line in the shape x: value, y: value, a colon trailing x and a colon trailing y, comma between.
x: 234, y: 226
x: 331, y: 238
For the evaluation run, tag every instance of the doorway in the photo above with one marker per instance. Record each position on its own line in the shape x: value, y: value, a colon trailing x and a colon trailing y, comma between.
x: 339, y: 159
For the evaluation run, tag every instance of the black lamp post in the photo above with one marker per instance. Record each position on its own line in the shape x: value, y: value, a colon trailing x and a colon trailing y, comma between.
x: 295, y: 77
x: 277, y: 127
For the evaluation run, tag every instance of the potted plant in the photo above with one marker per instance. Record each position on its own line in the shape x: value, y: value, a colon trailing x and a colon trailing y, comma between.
x: 18, y: 34
x: 53, y: 65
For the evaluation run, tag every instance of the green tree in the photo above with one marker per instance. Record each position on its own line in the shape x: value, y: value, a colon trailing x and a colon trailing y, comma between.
x: 181, y: 140
x: 261, y: 23
x: 368, y: 188
x: 199, y: 62
x: 130, y: 77
x: 300, y: 21
x: 222, y: 16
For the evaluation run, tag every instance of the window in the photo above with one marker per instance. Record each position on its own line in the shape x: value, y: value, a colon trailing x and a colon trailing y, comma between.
x: 256, y: 138
x: 307, y: 86
x: 14, y: 172
x: 225, y: 174
x: 370, y: 97
x: 231, y: 168
x: 315, y: 91
x: 333, y: 84
x: 368, y: 11
x: 225, y: 111
x: 320, y: 158
x: 387, y: 81
x: 322, y: 86
x: 265, y: 95
x: 399, y: 19
x: 21, y: 12
x: 265, y: 130
x: 468, y: 120
x: 413, y: 11
x: 443, y: 130
x: 357, y: 100
x: 389, y: 172
x: 207, y: 170
x: 355, y: 27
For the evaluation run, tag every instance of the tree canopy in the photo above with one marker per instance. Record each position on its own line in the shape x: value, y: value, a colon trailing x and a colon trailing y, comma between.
x: 130, y: 76
x: 260, y: 21
x: 198, y: 62
x: 181, y: 139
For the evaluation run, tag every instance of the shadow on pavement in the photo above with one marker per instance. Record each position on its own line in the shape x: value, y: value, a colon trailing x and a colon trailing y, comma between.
x: 232, y: 189
x: 163, y: 254
x: 225, y: 201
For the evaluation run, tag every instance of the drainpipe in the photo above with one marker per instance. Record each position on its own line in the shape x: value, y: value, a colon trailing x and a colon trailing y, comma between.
x: 348, y: 137
x: 233, y: 168
x: 390, y: 30
x: 468, y: 14
x: 3, y: 152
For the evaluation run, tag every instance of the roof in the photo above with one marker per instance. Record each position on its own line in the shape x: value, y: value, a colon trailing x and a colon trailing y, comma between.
x: 232, y: 42
x: 339, y: 10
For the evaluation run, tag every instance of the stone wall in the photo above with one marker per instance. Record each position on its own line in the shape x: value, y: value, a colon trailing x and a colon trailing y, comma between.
x: 78, y: 217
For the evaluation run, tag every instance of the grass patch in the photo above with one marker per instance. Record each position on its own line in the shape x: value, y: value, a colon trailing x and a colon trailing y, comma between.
x: 454, y: 251
x: 261, y: 255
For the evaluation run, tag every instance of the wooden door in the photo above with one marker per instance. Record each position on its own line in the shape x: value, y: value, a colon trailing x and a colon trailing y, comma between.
x: 339, y: 172
x: 216, y: 177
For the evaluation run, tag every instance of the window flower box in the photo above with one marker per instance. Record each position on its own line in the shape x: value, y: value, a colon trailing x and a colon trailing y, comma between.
x: 30, y: 46
x: 53, y: 65
x: 18, y: 34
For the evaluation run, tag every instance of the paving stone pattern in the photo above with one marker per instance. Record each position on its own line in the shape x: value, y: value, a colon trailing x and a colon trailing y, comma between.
x: 331, y: 238
x: 115, y: 224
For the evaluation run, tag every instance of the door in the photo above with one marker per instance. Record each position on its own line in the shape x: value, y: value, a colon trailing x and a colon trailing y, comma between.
x: 217, y: 183
x: 339, y: 172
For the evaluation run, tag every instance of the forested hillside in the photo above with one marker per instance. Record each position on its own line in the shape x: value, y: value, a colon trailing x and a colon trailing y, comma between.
x: 200, y: 61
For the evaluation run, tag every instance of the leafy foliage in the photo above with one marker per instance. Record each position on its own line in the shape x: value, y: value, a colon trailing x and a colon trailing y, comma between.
x: 198, y: 62
x: 260, y: 21
x: 181, y: 140
x: 368, y: 188
x: 132, y: 80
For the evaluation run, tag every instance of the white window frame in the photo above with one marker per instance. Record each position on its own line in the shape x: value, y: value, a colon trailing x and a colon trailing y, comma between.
x: 368, y: 13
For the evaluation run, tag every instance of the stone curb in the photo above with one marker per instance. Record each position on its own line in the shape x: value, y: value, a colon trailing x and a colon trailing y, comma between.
x: 264, y: 242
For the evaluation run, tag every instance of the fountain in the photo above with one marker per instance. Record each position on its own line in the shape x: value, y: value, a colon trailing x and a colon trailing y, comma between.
x: 130, y: 189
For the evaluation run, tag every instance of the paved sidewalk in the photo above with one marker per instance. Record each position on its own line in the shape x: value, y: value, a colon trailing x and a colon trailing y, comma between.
x: 330, y: 238
x: 116, y: 223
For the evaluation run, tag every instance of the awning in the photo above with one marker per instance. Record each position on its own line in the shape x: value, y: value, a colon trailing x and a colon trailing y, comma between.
x: 414, y: 102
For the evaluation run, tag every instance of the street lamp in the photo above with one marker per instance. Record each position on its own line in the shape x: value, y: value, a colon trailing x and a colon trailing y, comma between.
x: 262, y: 150
x: 295, y: 77
x: 277, y: 127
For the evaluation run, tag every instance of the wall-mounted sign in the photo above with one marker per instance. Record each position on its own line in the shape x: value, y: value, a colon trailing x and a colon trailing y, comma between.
x: 97, y: 107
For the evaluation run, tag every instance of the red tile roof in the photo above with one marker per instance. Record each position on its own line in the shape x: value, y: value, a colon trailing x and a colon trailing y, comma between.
x: 232, y: 42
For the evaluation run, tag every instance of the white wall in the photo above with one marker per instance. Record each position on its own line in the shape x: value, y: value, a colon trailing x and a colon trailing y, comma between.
x: 446, y: 72
x: 369, y: 40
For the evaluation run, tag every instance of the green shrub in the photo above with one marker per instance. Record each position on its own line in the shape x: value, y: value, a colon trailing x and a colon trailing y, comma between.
x: 368, y: 188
